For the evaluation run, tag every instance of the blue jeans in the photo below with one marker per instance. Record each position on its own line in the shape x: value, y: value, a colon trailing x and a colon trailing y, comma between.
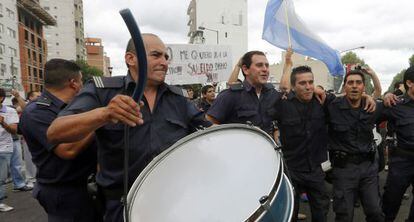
x: 4, y: 163
x: 16, y: 165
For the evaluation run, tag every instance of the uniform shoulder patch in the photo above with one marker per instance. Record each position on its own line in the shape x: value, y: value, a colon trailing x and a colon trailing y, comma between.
x: 177, y: 90
x: 43, y: 101
x: 236, y: 87
x: 108, y: 82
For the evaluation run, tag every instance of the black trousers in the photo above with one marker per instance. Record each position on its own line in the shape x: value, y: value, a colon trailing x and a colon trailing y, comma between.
x: 361, y: 179
x: 313, y: 183
x: 66, y: 203
x: 400, y: 177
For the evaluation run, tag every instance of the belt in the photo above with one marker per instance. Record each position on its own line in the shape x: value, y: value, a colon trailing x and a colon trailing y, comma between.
x: 65, y: 184
x: 359, y: 158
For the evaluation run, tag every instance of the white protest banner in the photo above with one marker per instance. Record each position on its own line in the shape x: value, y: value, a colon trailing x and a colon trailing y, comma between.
x: 191, y: 64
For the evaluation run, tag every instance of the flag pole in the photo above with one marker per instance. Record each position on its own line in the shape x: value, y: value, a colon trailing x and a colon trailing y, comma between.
x: 287, y: 24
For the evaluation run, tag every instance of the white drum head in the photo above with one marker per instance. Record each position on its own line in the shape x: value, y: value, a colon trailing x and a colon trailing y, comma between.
x: 218, y: 174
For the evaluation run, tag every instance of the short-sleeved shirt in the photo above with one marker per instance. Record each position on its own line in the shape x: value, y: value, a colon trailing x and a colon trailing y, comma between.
x: 401, y: 117
x: 350, y: 129
x: 241, y: 104
x: 172, y: 118
x: 303, y: 131
x: 35, y: 120
x: 6, y: 140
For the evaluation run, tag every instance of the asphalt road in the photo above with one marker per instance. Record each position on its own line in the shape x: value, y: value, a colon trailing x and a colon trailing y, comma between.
x: 27, y: 209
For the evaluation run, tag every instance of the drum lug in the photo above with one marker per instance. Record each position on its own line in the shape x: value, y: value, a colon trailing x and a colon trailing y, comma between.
x: 200, y: 127
x: 264, y: 202
x: 249, y: 123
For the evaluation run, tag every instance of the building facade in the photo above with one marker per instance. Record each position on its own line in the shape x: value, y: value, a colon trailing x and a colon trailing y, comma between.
x: 32, y: 44
x: 221, y: 22
x: 319, y: 70
x: 10, y: 75
x: 66, y: 39
x: 96, y: 55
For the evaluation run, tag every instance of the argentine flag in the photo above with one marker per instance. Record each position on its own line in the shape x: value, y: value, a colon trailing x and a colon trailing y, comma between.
x: 275, y: 30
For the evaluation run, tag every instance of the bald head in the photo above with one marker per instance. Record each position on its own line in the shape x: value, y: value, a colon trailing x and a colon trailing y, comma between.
x: 147, y: 38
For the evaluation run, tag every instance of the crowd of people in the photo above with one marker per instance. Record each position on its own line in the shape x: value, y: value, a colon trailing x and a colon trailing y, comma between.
x: 74, y: 131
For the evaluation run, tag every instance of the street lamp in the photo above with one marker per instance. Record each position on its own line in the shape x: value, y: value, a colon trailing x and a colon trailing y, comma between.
x: 213, y: 30
x: 347, y: 50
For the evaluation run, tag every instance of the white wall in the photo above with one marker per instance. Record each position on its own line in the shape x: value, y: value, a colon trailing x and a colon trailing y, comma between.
x: 9, y: 20
x: 61, y: 39
x: 228, y: 17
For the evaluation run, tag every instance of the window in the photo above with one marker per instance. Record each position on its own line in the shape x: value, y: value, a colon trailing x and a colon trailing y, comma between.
x: 14, y: 71
x: 76, y: 23
x: 1, y: 8
x: 41, y: 73
x: 11, y: 33
x: 57, y: 43
x: 12, y: 52
x: 2, y: 49
x: 3, y: 69
x: 1, y: 28
x: 47, y: 8
x: 26, y: 35
x: 10, y: 14
x: 39, y: 42
x: 34, y: 57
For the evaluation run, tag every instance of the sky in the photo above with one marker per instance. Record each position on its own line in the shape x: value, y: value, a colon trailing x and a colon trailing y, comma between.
x: 384, y: 27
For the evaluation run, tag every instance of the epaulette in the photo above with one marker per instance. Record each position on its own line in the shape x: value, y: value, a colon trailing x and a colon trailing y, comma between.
x: 108, y: 82
x: 236, y: 87
x: 43, y: 101
x: 177, y: 90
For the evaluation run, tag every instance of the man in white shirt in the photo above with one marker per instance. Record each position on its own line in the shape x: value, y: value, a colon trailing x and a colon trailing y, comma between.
x: 8, y: 126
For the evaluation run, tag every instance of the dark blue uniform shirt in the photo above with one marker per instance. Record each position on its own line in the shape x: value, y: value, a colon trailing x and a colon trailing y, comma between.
x: 240, y: 104
x: 51, y: 169
x: 303, y: 132
x: 172, y: 118
x: 350, y: 130
x: 401, y: 117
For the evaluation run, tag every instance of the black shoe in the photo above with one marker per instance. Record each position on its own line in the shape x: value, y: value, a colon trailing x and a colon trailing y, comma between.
x: 24, y: 189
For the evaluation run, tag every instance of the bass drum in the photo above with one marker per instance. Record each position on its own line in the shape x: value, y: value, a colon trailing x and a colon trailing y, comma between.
x: 224, y: 173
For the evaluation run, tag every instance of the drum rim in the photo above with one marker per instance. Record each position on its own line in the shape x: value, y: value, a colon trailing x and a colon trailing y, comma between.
x: 154, y: 162
x: 261, y: 211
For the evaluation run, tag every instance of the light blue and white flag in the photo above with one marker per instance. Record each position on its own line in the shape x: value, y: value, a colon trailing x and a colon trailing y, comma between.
x: 282, y: 26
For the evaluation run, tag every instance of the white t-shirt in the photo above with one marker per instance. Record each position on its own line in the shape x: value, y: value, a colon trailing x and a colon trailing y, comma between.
x: 6, y: 140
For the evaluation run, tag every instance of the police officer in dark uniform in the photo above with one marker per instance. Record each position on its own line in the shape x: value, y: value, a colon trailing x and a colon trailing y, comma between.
x: 62, y: 169
x: 352, y: 151
x: 249, y: 101
x: 303, y: 135
x: 401, y: 158
x: 104, y: 104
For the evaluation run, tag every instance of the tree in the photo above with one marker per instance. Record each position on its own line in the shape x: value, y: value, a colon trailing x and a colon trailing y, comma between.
x: 88, y: 71
x: 399, y: 76
x: 352, y: 58
x: 411, y: 60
